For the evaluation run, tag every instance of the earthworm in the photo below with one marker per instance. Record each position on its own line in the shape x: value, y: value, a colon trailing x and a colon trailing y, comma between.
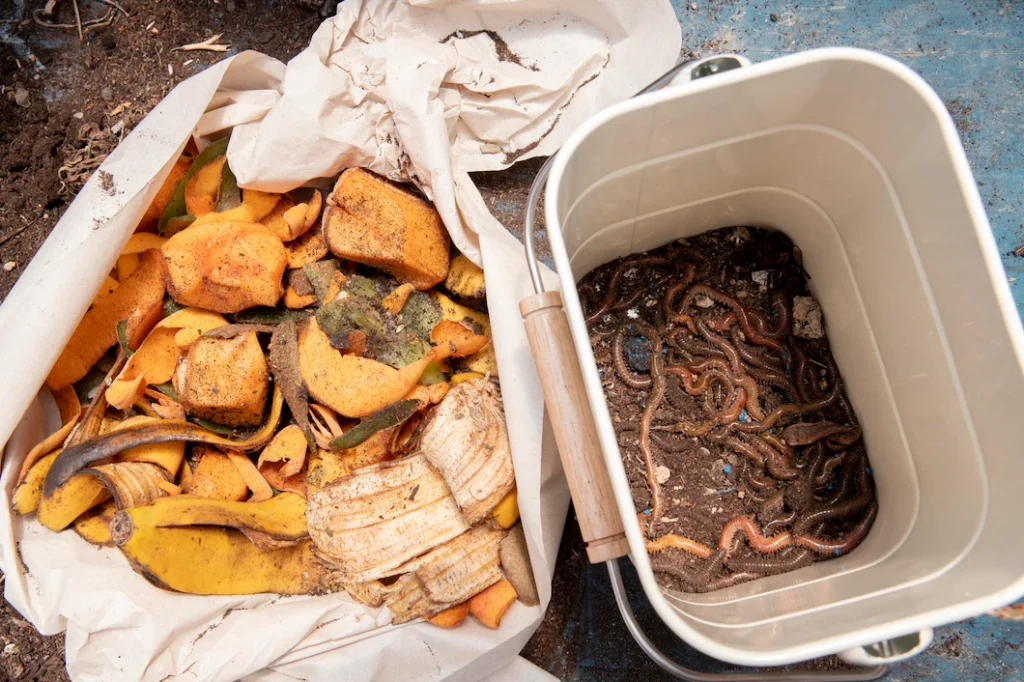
x: 772, y: 507
x: 723, y: 345
x: 846, y: 542
x: 733, y: 412
x: 842, y: 509
x: 745, y: 524
x: 763, y: 360
x: 653, y: 401
x: 613, y: 282
x: 777, y: 380
x: 722, y: 322
x: 627, y: 375
x: 668, y: 302
x: 843, y: 403
x: 784, y: 521
x: 743, y: 314
x: 697, y: 578
x: 788, y: 408
x: 694, y: 430
x: 695, y: 347
x: 781, y: 446
x: 626, y: 303
x: 827, y: 467
x: 678, y: 542
x: 789, y: 560
x: 775, y: 461
x: 746, y: 450
x: 730, y: 580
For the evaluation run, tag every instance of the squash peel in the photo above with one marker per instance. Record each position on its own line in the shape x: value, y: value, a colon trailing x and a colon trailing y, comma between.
x: 357, y: 387
x: 491, y: 605
x: 309, y: 248
x: 254, y: 480
x: 97, y: 331
x: 202, y: 188
x: 226, y: 266
x: 369, y: 220
x: 215, y: 477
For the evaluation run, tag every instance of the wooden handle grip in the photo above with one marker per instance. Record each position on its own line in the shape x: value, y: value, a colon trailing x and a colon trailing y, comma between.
x: 574, y: 427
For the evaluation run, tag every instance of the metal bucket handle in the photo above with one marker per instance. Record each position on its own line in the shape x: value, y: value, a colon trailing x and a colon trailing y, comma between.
x: 576, y: 435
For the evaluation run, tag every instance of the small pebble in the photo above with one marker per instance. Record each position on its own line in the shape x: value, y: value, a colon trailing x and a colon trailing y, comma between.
x: 704, y: 301
x: 632, y: 314
x: 10, y: 265
x: 21, y: 97
x: 704, y: 452
x: 669, y: 519
x: 107, y: 93
x: 693, y: 5
x: 741, y: 494
x: 760, y: 276
x: 741, y: 294
x: 662, y: 473
x: 79, y: 115
x: 773, y: 16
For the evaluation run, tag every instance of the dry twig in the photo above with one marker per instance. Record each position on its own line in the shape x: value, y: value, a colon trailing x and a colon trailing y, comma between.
x: 209, y: 45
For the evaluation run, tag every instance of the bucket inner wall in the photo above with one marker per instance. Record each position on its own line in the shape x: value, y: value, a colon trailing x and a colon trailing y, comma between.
x: 897, y: 248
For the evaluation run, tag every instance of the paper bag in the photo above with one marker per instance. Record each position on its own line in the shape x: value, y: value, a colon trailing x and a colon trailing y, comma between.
x: 419, y: 91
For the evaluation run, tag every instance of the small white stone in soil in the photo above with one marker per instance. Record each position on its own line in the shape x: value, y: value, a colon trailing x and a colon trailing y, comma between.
x: 669, y: 519
x: 703, y: 302
x: 632, y: 314
x: 662, y: 473
x: 760, y: 276
x: 10, y: 265
x: 741, y: 494
x: 704, y: 452
x: 650, y: 303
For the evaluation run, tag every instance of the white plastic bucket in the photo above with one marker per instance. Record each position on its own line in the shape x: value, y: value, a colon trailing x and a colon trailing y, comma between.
x: 855, y: 158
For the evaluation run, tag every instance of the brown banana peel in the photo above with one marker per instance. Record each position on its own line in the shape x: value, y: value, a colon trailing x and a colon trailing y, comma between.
x: 376, y: 519
x: 74, y: 459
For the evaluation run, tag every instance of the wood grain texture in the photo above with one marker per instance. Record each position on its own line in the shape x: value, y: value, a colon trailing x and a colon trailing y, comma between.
x: 575, y: 431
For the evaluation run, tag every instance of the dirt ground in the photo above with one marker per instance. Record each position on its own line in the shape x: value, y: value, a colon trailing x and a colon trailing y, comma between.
x: 64, y: 104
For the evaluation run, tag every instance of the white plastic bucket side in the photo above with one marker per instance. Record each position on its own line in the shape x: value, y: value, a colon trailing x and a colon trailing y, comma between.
x: 856, y: 625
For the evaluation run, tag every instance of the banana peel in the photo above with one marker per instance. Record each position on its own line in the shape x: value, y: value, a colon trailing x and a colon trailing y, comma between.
x: 132, y: 484
x: 466, y: 441
x: 210, y: 559
x: 371, y: 522
x: 283, y: 517
x: 74, y: 459
x: 449, y: 574
x: 94, y: 525
x: 25, y: 499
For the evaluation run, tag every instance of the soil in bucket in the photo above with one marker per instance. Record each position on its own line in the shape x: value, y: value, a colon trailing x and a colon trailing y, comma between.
x: 743, y: 454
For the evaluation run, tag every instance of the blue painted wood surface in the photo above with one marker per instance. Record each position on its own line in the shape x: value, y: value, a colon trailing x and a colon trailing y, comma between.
x: 972, y: 53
